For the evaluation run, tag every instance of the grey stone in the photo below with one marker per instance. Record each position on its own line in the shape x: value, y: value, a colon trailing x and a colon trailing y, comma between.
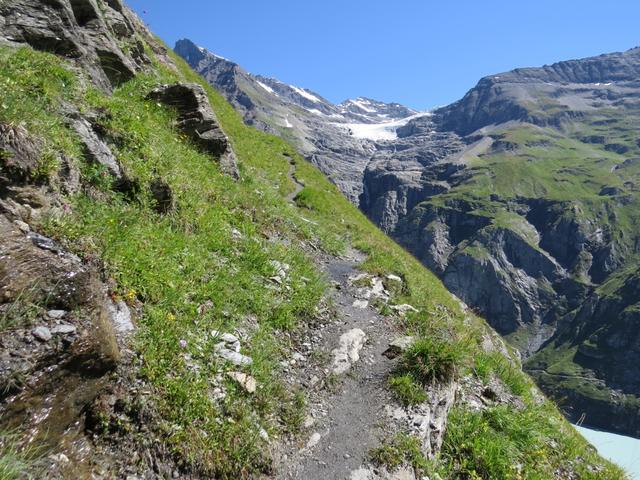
x: 24, y: 227
x: 245, y: 381
x: 56, y: 314
x: 43, y: 242
x: 403, y: 308
x: 348, y: 350
x: 236, y: 358
x: 398, y: 345
x: 63, y: 329
x: 42, y: 333
x: 95, y: 149
x: 120, y: 317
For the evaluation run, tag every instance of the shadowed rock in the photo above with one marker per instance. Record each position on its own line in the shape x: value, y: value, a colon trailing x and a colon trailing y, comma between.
x: 19, y: 152
x: 162, y: 194
x: 198, y: 121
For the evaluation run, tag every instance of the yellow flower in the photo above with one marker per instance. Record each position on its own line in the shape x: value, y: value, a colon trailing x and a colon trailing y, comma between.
x: 171, y: 317
x: 130, y: 295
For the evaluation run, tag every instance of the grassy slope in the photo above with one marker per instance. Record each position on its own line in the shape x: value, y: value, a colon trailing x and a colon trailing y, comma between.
x: 171, y: 266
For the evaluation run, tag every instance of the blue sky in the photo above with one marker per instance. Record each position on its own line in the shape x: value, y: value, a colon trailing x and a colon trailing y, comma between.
x: 421, y: 53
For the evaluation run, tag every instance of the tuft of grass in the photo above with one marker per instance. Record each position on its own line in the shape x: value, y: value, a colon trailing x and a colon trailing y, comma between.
x: 22, y: 311
x: 15, y: 459
x: 487, y: 363
x: 432, y: 359
x: 402, y: 449
x: 407, y: 390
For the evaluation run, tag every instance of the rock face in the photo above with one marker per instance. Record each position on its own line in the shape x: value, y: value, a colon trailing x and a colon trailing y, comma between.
x: 198, y: 121
x: 79, y: 30
x: 522, y: 196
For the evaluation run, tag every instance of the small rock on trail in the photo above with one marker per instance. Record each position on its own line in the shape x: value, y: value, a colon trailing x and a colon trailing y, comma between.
x: 347, y: 353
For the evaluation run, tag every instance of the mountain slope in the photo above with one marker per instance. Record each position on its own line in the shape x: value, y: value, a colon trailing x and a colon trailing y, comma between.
x: 169, y: 308
x: 522, y: 198
x: 538, y: 227
x: 337, y: 138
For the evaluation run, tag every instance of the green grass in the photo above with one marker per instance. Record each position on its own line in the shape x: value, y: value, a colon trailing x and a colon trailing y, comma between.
x: 532, y: 443
x: 21, y: 312
x: 407, y: 390
x: 173, y: 266
x: 399, y: 450
x: 15, y: 459
x: 487, y: 364
x: 434, y: 359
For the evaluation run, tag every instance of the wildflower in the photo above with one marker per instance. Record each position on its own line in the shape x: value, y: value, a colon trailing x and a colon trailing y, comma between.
x: 130, y: 295
x: 171, y: 317
x: 183, y: 343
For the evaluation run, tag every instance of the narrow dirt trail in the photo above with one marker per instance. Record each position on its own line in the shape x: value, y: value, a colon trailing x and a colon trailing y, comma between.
x: 349, y: 417
x: 291, y: 175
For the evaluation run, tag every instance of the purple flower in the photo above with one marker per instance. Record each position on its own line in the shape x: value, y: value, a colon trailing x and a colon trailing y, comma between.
x: 183, y: 344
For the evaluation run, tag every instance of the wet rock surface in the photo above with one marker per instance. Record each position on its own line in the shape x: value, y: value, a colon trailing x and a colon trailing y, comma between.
x: 58, y: 343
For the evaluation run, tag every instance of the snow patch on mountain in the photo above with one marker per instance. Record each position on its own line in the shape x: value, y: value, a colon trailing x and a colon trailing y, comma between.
x: 362, y: 103
x: 266, y: 87
x: 305, y: 94
x: 379, y: 131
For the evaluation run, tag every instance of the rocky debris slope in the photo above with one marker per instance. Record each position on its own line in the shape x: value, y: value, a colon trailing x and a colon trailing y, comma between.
x: 62, y: 335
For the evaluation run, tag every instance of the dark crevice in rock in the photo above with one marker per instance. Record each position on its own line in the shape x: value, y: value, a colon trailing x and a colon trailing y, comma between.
x: 84, y: 11
x: 115, y: 67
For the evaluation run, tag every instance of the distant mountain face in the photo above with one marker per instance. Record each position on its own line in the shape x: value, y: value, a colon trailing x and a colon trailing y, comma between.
x: 337, y: 138
x: 524, y: 197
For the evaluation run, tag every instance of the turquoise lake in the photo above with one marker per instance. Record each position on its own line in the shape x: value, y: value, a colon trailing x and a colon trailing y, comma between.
x: 624, y: 451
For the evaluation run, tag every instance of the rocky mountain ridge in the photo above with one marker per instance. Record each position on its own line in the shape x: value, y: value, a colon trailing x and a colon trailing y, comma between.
x: 521, y: 197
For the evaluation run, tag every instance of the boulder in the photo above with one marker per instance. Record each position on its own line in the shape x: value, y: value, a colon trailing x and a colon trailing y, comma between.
x: 19, y: 154
x: 198, y: 121
x: 95, y: 149
x: 42, y: 333
x: 247, y: 382
x: 162, y: 195
x: 398, y: 345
